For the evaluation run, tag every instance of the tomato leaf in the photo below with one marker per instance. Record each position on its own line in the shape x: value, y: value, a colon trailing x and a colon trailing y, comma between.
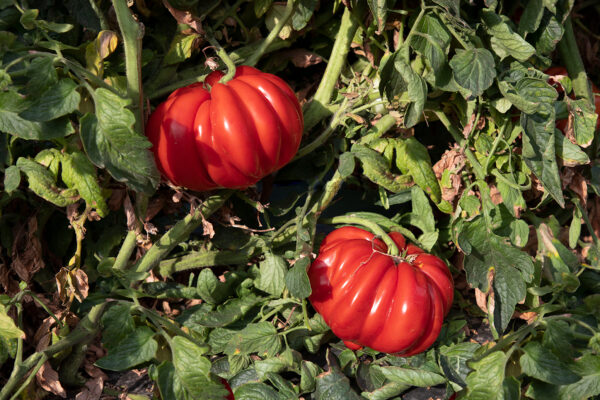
x: 512, y: 268
x: 59, y: 99
x: 43, y: 183
x: 473, y: 69
x: 485, y: 382
x: 412, y: 377
x: 229, y: 312
x: 505, y: 41
x: 272, y: 274
x: 12, y: 179
x: 8, y: 328
x: 111, y: 143
x: 136, y: 348
x: 79, y: 173
x: 296, y: 279
x: 117, y: 324
x: 539, y: 152
x: 542, y: 364
x: 255, y: 391
x: 258, y: 338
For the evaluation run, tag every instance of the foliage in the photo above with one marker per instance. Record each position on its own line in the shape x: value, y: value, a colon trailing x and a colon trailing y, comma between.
x: 435, y: 119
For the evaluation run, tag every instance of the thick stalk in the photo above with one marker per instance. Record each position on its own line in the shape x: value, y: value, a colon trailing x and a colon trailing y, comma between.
x: 287, y: 13
x: 180, y: 232
x: 372, y: 226
x: 132, y: 33
x: 569, y: 54
x: 125, y: 252
x: 229, y: 64
x: 206, y: 258
x: 317, y: 109
x: 88, y: 327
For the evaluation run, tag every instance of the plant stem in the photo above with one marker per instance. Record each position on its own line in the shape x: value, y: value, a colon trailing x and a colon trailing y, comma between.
x: 224, y: 57
x: 287, y: 13
x: 103, y: 24
x: 88, y: 327
x: 569, y: 54
x: 317, y: 108
x: 132, y: 33
x: 204, y: 258
x: 322, y: 138
x: 458, y: 137
x: 125, y: 252
x: 372, y: 226
x: 180, y: 232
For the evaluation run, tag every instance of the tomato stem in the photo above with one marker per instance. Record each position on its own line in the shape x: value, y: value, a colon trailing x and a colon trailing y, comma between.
x: 180, y: 232
x: 569, y: 53
x: 224, y: 57
x: 392, y: 248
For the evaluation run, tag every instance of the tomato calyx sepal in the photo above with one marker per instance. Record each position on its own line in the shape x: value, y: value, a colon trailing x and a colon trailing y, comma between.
x: 352, y: 219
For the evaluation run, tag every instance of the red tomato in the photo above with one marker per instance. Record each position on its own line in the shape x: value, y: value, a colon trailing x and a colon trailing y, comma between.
x: 226, y: 384
x: 209, y: 134
x: 562, y: 123
x: 369, y: 298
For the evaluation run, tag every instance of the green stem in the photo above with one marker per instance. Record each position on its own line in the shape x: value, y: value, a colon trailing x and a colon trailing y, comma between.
x: 180, y: 232
x: 513, y: 185
x: 569, y: 54
x: 204, y: 258
x: 29, y: 378
x: 458, y: 137
x: 305, y: 315
x: 87, y: 327
x: 127, y: 248
x: 229, y: 64
x: 317, y: 108
x: 323, y: 137
x: 372, y: 226
x: 103, y: 24
x: 132, y: 34
x: 287, y: 13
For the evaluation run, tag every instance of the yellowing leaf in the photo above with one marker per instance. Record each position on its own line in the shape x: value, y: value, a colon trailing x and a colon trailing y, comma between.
x: 95, y: 52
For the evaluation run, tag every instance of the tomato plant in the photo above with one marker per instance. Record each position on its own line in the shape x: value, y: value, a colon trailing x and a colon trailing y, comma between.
x: 210, y: 134
x: 392, y: 304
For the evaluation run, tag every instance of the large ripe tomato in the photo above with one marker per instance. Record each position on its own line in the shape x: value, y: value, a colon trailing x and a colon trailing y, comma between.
x: 562, y: 123
x: 209, y: 134
x: 369, y: 298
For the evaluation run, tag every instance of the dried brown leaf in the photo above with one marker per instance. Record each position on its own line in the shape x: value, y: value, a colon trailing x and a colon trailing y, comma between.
x: 27, y: 256
x: 80, y: 281
x: 495, y: 194
x: 48, y: 380
x: 469, y: 127
x: 115, y: 202
x: 92, y: 390
x: 302, y: 58
x: 130, y: 214
x: 185, y: 17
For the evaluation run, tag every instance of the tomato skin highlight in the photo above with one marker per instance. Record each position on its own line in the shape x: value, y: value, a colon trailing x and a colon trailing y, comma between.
x: 211, y: 135
x: 369, y: 298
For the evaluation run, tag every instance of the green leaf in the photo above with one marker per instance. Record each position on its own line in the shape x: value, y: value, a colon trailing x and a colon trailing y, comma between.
x: 412, y: 377
x: 28, y: 18
x: 42, y: 74
x: 136, y: 348
x: 303, y: 13
x: 575, y: 228
x: 519, y: 232
x: 111, y: 143
x: 485, y: 382
x: 181, y: 48
x: 584, y: 120
x: 8, y: 328
x: 379, y: 10
x: 347, y: 164
x: 387, y: 391
x: 229, y: 312
x: 531, y: 17
x: 422, y: 213
x: 334, y: 385
x: 59, y: 99
x: 261, y: 338
x: 117, y: 324
x: 308, y: 376
x: 529, y: 95
x: 417, y: 93
x: 511, y: 268
x: 559, y: 338
x: 473, y: 69
x: 588, y: 366
x: 275, y: 14
x: 272, y: 274
x: 413, y: 158
x: 505, y: 42
x: 296, y: 279
x: 169, y: 384
x: 548, y: 34
x: 450, y: 5
x: 542, y: 364
x: 193, y: 370
x: 431, y: 39
x: 42, y: 182
x: 376, y: 169
x: 453, y: 360
x: 79, y: 173
x: 12, y: 178
x: 570, y: 153
x: 255, y: 391
x: 539, y: 152
x: 11, y: 104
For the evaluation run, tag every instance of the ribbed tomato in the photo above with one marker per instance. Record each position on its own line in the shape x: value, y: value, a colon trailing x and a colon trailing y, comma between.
x: 209, y: 134
x: 370, y: 298
x: 562, y: 123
